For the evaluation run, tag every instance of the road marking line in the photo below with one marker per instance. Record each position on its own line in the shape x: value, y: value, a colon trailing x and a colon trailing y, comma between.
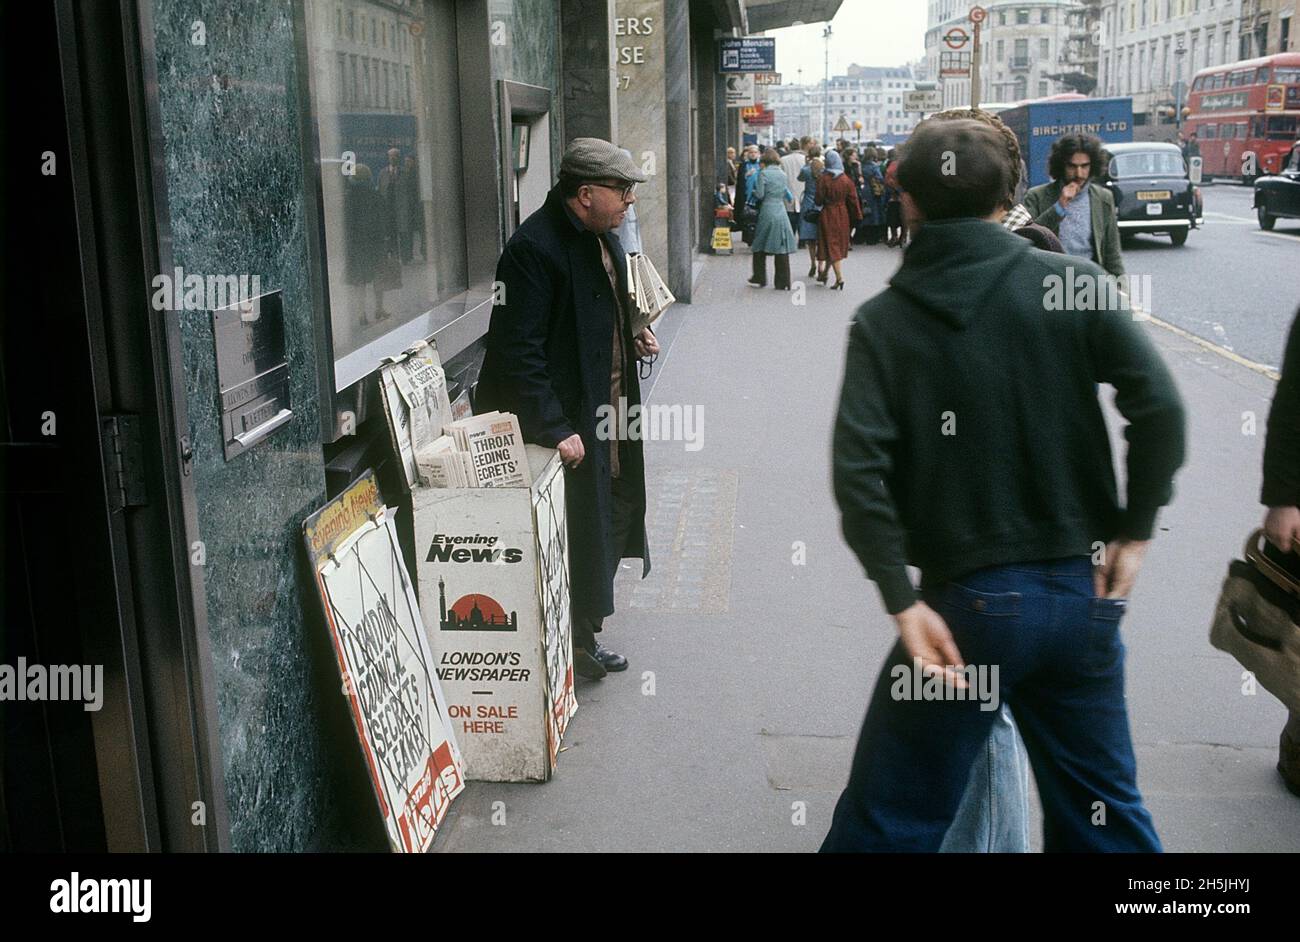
x: 1215, y: 348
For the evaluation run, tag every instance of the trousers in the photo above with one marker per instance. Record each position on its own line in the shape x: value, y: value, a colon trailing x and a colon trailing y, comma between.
x: 1059, y: 668
x: 586, y: 627
x: 781, y: 268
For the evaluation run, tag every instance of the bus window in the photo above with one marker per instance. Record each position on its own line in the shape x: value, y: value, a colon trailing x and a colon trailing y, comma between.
x: 1261, y: 75
x: 1287, y: 76
x: 1281, y: 128
x: 1241, y: 130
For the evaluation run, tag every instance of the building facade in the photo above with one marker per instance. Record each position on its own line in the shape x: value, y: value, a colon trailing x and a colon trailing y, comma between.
x: 1028, y: 50
x: 869, y: 98
x: 1150, y: 46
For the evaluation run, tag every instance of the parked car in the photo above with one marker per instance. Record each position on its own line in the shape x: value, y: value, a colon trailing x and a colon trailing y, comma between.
x: 1153, y: 190
x: 1278, y: 194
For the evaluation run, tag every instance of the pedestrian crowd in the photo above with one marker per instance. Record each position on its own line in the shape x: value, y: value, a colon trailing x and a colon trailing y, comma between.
x: 798, y: 194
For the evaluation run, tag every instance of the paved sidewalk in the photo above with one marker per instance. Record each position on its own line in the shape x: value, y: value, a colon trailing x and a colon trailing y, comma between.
x: 749, y: 674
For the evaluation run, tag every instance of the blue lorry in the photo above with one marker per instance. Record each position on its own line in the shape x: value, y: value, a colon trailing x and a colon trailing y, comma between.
x: 1039, y: 123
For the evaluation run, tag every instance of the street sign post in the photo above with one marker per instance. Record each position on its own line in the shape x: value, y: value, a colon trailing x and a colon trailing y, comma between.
x: 977, y: 17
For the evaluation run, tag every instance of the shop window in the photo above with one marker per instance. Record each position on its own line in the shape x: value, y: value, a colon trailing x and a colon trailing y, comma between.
x: 391, y: 185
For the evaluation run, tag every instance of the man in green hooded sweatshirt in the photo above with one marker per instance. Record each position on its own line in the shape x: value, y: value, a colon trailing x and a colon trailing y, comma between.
x: 970, y: 443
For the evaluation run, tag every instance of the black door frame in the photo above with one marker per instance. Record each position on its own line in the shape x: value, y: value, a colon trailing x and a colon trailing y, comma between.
x: 156, y: 739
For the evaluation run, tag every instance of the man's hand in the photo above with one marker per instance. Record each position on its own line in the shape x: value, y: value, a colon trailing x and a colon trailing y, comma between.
x: 1282, y: 527
x: 647, y: 345
x: 1069, y: 192
x: 925, y: 634
x: 571, y: 451
x: 1120, y: 563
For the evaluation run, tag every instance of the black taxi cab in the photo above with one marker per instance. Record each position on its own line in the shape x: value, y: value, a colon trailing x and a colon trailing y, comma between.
x: 1153, y: 190
x: 1278, y: 194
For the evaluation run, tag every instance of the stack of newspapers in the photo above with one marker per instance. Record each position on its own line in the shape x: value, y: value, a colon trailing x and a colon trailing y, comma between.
x: 480, y: 451
x: 650, y: 296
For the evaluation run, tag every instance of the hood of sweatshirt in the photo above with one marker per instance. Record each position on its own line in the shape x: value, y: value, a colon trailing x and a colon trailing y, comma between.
x: 954, y: 266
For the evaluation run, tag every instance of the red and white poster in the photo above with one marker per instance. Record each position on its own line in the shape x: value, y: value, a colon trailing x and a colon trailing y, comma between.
x: 384, y: 659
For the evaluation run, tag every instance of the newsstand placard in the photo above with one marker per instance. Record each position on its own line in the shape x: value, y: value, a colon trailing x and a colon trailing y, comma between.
x: 493, y: 576
x: 384, y: 659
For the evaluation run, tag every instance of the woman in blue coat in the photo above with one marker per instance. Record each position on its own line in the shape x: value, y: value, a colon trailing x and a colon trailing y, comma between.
x: 773, y: 235
x: 808, y: 228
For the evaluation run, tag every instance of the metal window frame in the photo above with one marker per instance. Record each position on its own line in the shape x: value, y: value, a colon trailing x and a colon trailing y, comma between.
x: 454, y: 323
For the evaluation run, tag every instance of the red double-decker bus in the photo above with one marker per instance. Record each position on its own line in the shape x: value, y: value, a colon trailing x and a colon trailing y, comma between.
x: 1245, y: 107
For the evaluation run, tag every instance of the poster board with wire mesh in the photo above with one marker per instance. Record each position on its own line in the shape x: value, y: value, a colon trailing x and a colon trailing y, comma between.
x: 387, y: 670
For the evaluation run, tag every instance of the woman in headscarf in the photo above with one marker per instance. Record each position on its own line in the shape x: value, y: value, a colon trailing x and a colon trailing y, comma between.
x: 808, y: 208
x: 838, y: 199
x: 773, y: 235
x: 872, y: 194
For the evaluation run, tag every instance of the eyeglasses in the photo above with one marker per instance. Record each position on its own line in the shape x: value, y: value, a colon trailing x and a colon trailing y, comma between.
x: 624, y: 190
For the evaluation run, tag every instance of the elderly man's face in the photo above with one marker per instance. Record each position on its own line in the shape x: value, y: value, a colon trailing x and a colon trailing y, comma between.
x: 392, y: 157
x: 605, y: 204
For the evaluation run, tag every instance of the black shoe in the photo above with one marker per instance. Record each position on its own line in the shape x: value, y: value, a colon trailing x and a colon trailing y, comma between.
x: 609, y: 660
x: 587, y: 666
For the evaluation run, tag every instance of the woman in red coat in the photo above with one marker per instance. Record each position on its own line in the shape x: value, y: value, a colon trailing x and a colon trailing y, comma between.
x: 838, y: 198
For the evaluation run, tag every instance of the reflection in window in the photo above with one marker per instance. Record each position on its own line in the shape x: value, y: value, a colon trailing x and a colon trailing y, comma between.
x: 391, y: 185
x: 1152, y: 163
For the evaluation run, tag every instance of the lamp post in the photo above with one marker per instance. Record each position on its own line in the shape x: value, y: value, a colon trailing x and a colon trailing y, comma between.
x: 1179, y: 52
x: 826, y: 86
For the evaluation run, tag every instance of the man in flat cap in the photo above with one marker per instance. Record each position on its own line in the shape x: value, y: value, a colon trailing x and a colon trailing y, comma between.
x: 561, y: 355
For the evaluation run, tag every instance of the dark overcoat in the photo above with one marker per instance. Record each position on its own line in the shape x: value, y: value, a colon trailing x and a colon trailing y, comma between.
x: 549, y: 351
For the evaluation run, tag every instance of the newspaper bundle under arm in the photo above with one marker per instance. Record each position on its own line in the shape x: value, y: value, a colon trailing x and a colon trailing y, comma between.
x: 649, y: 294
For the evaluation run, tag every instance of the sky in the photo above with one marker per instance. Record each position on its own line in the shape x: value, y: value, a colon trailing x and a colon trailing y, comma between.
x: 866, y: 32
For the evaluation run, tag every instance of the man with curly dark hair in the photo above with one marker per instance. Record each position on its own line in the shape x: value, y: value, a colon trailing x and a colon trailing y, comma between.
x: 1080, y: 212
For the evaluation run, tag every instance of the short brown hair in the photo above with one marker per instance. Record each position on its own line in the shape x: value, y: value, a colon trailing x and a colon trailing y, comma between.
x: 993, y: 121
x: 770, y: 156
x: 955, y: 169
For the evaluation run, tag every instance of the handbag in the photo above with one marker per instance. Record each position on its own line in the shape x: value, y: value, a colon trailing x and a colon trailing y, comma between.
x: 812, y: 215
x: 1257, y: 621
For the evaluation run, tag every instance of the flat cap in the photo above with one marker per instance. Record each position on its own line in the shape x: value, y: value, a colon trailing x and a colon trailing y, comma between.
x: 590, y: 158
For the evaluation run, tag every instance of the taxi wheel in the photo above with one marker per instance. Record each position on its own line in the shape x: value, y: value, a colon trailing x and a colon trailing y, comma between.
x: 1266, y: 220
x: 1179, y: 236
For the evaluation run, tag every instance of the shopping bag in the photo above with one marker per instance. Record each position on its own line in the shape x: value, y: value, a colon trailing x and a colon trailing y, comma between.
x: 1257, y: 621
